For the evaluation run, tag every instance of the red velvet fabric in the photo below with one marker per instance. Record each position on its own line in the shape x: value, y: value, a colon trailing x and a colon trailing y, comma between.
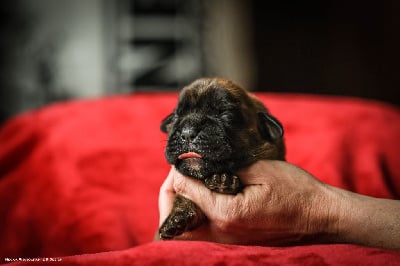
x: 79, y: 180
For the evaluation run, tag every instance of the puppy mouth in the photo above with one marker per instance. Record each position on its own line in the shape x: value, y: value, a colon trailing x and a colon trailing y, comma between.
x: 192, y: 162
x: 189, y: 155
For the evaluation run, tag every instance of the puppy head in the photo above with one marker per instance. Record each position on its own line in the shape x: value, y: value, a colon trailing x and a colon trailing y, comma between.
x: 217, y: 127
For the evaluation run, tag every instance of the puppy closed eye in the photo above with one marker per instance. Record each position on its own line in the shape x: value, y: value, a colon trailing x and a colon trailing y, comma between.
x: 226, y: 116
x: 231, y: 116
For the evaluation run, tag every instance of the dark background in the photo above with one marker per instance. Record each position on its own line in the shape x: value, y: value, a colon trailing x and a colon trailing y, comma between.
x: 321, y: 47
x: 330, y: 47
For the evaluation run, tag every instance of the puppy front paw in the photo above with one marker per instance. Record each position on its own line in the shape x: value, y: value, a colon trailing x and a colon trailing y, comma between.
x: 223, y: 183
x: 185, y: 215
x: 174, y: 225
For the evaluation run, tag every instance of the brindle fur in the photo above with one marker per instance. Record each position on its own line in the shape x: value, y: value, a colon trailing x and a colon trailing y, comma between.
x: 230, y: 129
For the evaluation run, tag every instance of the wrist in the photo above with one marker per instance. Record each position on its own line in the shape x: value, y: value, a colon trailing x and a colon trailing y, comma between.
x: 324, y: 216
x: 368, y: 221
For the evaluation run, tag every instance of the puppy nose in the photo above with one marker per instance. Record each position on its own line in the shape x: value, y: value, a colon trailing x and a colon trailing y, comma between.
x: 188, y: 133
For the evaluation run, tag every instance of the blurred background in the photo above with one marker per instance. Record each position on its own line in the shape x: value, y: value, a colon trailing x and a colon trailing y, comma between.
x: 53, y: 50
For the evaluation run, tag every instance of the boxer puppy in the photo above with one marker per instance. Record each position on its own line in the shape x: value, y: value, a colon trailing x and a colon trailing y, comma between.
x: 216, y: 129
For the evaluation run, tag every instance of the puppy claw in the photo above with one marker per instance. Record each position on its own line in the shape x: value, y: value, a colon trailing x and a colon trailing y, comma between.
x: 223, y: 183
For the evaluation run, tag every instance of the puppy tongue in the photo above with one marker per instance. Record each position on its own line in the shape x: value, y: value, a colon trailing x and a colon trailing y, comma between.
x: 189, y: 155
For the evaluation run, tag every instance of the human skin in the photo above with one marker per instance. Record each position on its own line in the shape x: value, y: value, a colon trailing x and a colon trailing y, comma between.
x: 281, y: 204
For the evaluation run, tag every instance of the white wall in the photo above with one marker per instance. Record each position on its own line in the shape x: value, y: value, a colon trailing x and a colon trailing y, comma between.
x: 77, y: 30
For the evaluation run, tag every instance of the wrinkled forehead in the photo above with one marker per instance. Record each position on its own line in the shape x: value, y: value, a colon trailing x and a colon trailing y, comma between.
x: 208, y: 96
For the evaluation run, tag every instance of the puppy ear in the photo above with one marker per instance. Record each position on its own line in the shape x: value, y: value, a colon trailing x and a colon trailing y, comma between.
x: 166, y: 123
x: 270, y: 128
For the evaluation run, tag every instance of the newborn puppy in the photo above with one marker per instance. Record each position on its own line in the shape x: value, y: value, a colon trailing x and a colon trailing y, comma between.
x: 216, y: 129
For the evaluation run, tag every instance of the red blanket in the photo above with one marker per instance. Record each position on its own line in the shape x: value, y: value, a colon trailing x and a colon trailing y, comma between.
x: 79, y: 180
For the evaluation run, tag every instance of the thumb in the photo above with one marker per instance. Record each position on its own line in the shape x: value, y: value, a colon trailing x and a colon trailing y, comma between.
x: 208, y: 201
x: 166, y: 196
x: 191, y: 188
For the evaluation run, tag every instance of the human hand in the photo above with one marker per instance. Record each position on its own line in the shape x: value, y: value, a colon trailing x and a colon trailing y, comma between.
x: 280, y: 204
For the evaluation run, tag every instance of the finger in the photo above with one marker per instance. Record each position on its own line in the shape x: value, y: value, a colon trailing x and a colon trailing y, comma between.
x: 214, y: 205
x: 206, y: 232
x: 196, y: 191
x: 166, y: 196
x: 202, y: 233
x: 192, y: 189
